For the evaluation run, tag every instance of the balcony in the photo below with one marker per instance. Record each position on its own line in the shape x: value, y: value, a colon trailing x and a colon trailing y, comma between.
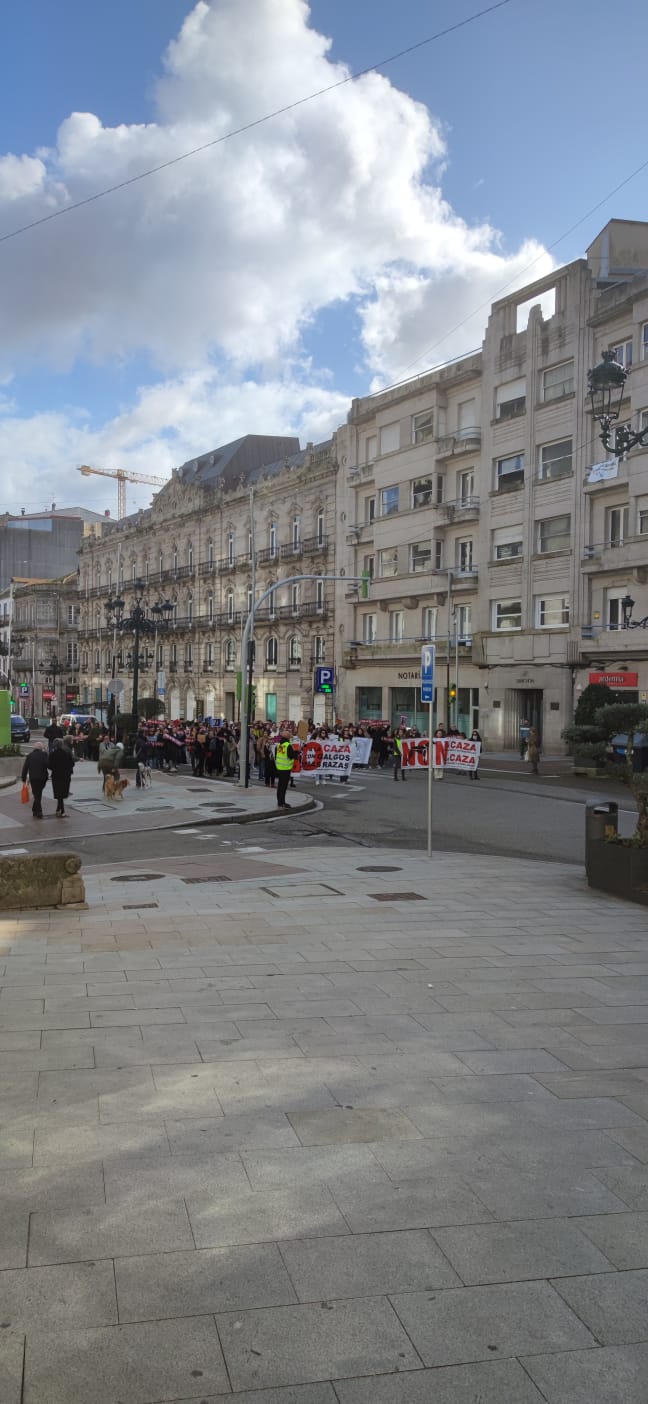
x: 188, y: 666
x: 269, y: 553
x: 462, y: 579
x: 599, y: 640
x: 630, y: 554
x: 292, y: 548
x: 173, y: 667
x: 464, y: 441
x: 463, y: 509
x: 313, y: 544
x: 207, y: 567
x: 379, y: 650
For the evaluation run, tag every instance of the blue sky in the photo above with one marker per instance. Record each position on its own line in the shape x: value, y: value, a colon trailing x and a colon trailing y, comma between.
x: 527, y: 101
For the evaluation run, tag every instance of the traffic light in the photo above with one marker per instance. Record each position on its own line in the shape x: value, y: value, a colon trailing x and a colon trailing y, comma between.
x: 453, y: 694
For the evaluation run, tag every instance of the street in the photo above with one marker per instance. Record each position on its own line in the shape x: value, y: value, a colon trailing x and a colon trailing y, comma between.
x: 508, y: 814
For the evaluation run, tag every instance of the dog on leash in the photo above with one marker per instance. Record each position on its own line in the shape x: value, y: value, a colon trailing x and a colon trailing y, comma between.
x: 114, y: 788
x: 145, y: 774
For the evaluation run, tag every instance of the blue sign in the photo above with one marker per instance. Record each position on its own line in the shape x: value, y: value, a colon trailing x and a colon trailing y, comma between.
x: 427, y: 672
x: 324, y: 680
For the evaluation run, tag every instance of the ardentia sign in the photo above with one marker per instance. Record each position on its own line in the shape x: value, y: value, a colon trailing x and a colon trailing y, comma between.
x: 616, y: 679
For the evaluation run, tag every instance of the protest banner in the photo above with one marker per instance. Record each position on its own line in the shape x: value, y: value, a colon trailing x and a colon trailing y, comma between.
x: 360, y: 750
x: 449, y: 753
x: 322, y: 758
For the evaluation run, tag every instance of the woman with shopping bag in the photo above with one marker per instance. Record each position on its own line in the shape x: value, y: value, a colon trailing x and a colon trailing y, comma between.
x: 35, y: 773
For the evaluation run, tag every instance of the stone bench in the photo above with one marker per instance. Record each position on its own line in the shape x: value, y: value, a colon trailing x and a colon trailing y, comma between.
x: 45, y: 880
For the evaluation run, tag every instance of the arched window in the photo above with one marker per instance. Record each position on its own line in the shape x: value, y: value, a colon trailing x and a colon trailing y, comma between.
x: 295, y: 598
x: 230, y: 655
x: 272, y: 604
x: 295, y: 652
x: 296, y: 532
x: 230, y: 606
x: 272, y: 540
x: 272, y: 651
x: 230, y: 548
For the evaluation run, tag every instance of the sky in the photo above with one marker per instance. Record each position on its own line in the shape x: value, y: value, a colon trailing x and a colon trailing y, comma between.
x: 339, y: 247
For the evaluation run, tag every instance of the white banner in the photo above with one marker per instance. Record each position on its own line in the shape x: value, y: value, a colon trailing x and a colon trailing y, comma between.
x: 320, y: 758
x: 360, y: 750
x: 449, y: 753
x: 600, y: 471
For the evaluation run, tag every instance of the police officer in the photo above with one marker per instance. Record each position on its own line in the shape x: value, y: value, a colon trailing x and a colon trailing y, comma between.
x: 285, y: 758
x: 398, y: 754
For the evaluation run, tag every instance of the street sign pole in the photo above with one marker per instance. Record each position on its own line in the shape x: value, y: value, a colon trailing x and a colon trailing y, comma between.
x: 427, y: 695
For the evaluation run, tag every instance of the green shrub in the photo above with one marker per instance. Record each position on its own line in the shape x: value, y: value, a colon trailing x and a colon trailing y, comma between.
x: 622, y: 716
x: 594, y: 696
x: 10, y: 751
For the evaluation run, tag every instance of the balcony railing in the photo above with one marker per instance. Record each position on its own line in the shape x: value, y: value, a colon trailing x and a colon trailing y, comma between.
x: 313, y: 544
x: 461, y: 509
x: 292, y: 548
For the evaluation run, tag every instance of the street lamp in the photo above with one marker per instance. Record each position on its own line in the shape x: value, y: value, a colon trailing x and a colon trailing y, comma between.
x: 606, y: 386
x: 138, y: 622
x: 627, y: 606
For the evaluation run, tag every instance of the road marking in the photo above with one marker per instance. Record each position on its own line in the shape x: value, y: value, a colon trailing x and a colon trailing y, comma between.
x: 186, y: 831
x: 12, y: 852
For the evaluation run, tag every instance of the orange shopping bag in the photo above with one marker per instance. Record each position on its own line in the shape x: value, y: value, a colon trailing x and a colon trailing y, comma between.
x: 24, y: 794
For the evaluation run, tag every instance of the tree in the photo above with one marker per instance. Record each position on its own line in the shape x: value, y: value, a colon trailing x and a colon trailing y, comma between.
x: 628, y: 718
x: 594, y: 696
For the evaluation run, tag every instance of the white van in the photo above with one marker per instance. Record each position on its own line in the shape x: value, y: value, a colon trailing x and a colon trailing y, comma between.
x: 69, y: 719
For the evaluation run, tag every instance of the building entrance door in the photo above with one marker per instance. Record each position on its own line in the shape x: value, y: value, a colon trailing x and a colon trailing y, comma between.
x: 530, y: 708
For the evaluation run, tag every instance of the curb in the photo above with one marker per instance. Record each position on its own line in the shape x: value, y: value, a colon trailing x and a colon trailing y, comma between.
x: 255, y: 818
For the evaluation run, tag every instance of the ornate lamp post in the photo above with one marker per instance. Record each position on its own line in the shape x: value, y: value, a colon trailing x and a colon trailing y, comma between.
x: 606, y: 384
x: 54, y: 668
x: 138, y: 622
x: 627, y: 606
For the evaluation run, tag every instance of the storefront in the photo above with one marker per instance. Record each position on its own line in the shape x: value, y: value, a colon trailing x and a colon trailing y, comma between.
x: 623, y: 684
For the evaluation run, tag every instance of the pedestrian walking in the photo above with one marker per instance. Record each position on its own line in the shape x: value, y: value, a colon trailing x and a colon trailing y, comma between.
x: 285, y: 757
x: 534, y: 751
x: 53, y: 733
x: 61, y: 765
x: 525, y: 732
x: 35, y: 773
x: 475, y: 736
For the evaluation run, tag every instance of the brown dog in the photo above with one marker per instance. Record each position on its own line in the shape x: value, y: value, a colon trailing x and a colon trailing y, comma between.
x: 113, y: 788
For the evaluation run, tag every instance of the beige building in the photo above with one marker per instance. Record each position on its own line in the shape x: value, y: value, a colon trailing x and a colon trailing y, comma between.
x: 246, y: 517
x: 39, y: 622
x: 468, y: 495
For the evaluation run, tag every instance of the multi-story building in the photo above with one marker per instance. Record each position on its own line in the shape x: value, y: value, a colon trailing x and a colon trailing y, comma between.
x: 468, y: 496
x: 228, y: 525
x: 39, y: 622
x: 42, y: 545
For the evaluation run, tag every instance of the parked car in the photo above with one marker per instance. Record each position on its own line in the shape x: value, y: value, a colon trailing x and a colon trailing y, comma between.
x: 19, y: 728
x: 618, y: 747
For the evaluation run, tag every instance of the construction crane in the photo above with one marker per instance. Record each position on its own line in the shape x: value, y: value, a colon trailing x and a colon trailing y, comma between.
x: 123, y: 477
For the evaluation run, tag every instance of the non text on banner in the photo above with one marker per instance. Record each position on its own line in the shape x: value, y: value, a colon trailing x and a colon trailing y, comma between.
x: 448, y: 753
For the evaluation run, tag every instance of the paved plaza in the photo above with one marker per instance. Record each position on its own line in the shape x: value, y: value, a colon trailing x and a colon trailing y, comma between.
x: 336, y: 1127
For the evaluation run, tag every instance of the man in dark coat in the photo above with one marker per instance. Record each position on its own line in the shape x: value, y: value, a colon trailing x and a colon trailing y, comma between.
x: 34, y: 771
x: 61, y: 764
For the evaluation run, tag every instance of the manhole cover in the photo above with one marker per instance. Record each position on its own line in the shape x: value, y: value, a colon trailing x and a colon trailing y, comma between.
x: 378, y: 868
x: 397, y: 897
x: 138, y: 877
x: 221, y: 878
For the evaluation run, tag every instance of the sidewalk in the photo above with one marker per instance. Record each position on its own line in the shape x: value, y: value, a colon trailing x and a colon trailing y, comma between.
x: 337, y: 1128
x: 171, y: 801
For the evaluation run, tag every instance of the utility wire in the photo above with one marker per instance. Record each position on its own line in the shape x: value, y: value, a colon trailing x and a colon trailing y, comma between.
x: 258, y: 122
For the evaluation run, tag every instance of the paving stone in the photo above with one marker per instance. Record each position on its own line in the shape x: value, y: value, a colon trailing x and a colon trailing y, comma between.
x: 291, y: 1345
x: 614, y: 1306
x: 51, y: 1187
x: 513, y: 1252
x: 108, y: 1231
x: 208, y: 1280
x: 271, y: 1129
x: 343, y: 1126
x: 366, y: 1265
x: 14, y: 1234
x: 293, y: 1394
x: 615, y: 1375
x: 490, y: 1382
x: 130, y: 1179
x: 524, y: 1060
x: 415, y: 1204
x: 263, y: 1217
x: 46, y: 1298
x: 622, y: 1237
x: 71, y: 1144
x: 138, y: 1363
x: 516, y: 1194
x: 312, y: 1165
x: 11, y: 1368
x: 455, y: 1327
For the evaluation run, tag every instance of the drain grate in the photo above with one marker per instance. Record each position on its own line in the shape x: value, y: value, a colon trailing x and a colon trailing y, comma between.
x: 397, y: 897
x: 378, y: 868
x: 220, y: 878
x: 138, y: 877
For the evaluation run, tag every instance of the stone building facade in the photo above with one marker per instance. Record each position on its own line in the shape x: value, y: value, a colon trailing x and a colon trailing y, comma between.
x: 39, y: 622
x: 469, y: 496
x: 246, y: 517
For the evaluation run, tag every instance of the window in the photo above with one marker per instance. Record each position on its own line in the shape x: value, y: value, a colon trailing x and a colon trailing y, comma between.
x: 190, y: 559
x: 643, y: 416
x: 319, y: 596
x: 558, y: 381
x: 440, y: 489
x: 368, y: 628
x: 466, y: 419
x: 422, y: 492
x: 250, y: 540
x: 230, y: 606
x: 318, y: 649
x: 429, y: 622
x: 230, y: 548
x: 210, y: 608
x: 271, y: 652
x: 554, y: 534
x: 616, y: 526
x: 97, y: 661
x: 294, y: 652
x: 160, y: 656
x: 465, y: 487
x: 230, y: 655
x: 644, y: 342
x: 555, y: 460
x: 210, y: 554
x: 134, y: 572
x: 510, y: 399
x: 552, y: 612
x: 369, y: 566
x: 209, y: 655
x: 396, y: 626
x: 190, y: 610
x: 622, y: 353
x: 320, y: 528
x: 296, y: 532
x: 161, y: 564
x: 175, y: 559
x: 438, y: 555
x: 248, y: 599
x: 507, y: 543
x: 370, y: 510
x: 420, y: 556
x: 72, y: 614
x: 188, y: 655
x: 388, y: 562
x: 642, y: 523
x: 389, y: 501
x: 272, y: 540
x: 464, y: 555
x: 463, y: 623
x: 72, y: 654
x: 422, y: 427
x: 84, y: 662
x: 507, y: 615
x: 272, y: 604
x: 510, y: 472
x: 295, y: 598
x: 390, y: 438
x: 371, y: 446
x: 146, y: 571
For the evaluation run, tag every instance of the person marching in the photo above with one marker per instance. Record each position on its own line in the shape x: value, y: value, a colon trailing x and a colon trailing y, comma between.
x: 285, y: 757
